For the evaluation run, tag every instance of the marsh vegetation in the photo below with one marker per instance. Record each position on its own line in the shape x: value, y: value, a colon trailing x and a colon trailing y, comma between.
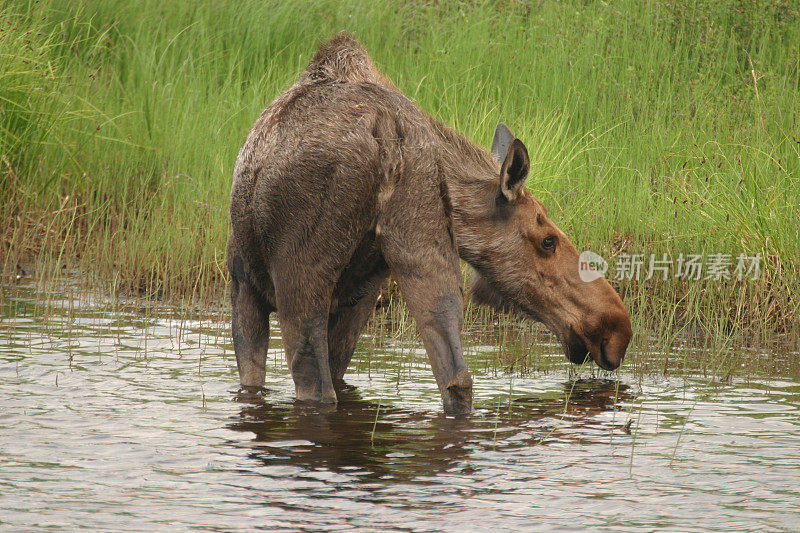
x: 654, y: 128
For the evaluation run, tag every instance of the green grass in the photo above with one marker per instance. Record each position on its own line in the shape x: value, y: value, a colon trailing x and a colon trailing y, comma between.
x: 653, y: 127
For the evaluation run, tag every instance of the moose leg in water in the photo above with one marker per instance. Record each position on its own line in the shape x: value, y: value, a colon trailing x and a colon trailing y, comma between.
x: 250, y: 317
x: 416, y: 237
x: 305, y: 338
x: 303, y: 315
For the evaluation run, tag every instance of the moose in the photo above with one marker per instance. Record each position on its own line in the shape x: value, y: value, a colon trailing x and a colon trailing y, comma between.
x: 343, y: 181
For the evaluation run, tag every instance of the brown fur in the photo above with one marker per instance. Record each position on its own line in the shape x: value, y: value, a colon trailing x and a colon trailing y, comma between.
x: 343, y: 180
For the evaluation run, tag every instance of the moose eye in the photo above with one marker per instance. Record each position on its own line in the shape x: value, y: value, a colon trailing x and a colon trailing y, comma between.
x: 549, y: 243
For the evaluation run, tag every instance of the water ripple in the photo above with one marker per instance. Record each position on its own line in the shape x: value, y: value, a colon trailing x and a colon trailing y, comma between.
x: 127, y: 418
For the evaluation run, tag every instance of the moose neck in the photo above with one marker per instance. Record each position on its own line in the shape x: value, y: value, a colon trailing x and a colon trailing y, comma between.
x: 472, y: 176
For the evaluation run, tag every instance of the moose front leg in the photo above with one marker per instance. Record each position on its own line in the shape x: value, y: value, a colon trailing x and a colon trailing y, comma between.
x: 417, y: 242
x: 346, y: 323
x: 439, y: 315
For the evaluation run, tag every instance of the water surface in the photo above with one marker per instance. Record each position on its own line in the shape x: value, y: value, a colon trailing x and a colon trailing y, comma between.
x: 126, y: 416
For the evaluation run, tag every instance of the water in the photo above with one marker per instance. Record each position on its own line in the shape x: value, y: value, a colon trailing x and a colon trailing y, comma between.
x: 128, y: 418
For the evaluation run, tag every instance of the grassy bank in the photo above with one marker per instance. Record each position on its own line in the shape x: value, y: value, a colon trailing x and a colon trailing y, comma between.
x: 653, y: 127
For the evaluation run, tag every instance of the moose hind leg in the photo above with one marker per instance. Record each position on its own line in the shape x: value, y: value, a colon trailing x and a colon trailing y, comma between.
x: 250, y: 332
x: 306, y: 343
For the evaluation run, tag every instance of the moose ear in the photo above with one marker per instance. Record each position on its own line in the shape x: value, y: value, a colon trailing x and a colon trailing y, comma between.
x: 501, y: 142
x: 514, y: 170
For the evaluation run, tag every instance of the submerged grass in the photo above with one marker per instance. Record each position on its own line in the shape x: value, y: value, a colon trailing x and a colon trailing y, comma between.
x: 653, y: 128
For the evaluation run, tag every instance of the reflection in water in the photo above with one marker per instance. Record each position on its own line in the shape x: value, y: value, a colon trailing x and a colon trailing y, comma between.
x: 366, y: 439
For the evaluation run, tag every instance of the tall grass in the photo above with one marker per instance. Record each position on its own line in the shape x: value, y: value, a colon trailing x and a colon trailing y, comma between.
x: 653, y: 127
